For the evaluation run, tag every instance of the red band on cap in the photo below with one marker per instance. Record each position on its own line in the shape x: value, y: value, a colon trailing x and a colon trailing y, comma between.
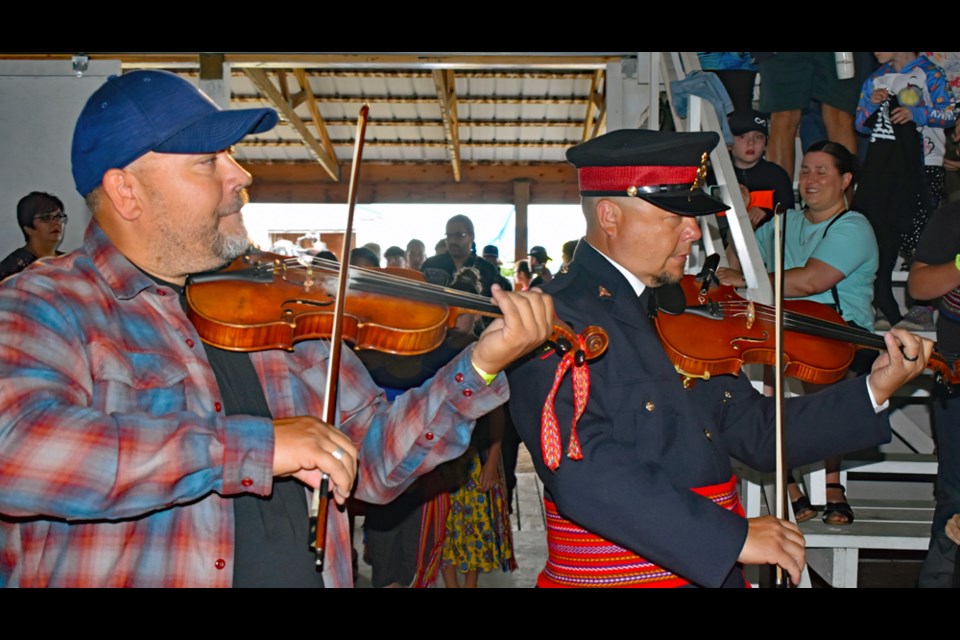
x: 619, y: 178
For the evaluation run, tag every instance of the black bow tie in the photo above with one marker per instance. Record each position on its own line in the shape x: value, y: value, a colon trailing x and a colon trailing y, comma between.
x: 644, y: 299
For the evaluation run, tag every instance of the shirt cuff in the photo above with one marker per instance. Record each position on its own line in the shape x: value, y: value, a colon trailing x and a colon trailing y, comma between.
x: 877, y: 408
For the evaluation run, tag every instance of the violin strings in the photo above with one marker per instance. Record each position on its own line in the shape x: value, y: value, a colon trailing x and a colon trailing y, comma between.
x: 375, y: 281
x: 801, y: 322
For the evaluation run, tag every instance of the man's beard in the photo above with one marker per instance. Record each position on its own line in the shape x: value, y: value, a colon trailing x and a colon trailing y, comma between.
x: 665, y: 278
x: 231, y: 246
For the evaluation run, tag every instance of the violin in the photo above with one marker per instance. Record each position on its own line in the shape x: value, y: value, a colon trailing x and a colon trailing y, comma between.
x: 709, y: 331
x: 266, y: 301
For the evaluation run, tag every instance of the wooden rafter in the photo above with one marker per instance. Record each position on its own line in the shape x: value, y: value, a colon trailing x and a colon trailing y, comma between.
x: 447, y: 95
x: 420, y: 143
x: 596, y: 107
x: 476, y: 61
x: 266, y: 87
x: 318, y: 122
x: 284, y: 87
x: 396, y: 122
x: 395, y: 99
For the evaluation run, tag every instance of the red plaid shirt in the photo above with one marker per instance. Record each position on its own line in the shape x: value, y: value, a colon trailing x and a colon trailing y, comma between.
x: 116, y: 461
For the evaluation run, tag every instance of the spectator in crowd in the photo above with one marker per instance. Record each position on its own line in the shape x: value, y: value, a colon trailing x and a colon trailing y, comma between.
x: 416, y: 254
x: 42, y: 222
x: 767, y: 183
x: 538, y: 265
x: 396, y: 257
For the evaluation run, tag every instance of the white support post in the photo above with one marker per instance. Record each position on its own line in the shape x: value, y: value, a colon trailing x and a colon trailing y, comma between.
x: 653, y: 113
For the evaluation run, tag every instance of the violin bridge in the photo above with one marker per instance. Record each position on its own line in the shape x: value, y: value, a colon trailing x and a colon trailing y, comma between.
x: 751, y: 314
x: 308, y: 281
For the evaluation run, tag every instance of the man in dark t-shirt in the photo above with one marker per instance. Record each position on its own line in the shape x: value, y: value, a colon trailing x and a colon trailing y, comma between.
x: 935, y: 272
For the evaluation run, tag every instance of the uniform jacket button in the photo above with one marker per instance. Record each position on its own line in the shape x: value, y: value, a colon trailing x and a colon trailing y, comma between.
x: 650, y: 406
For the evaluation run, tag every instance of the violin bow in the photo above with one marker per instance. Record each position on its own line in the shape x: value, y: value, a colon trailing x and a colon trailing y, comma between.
x: 321, y: 497
x: 782, y: 579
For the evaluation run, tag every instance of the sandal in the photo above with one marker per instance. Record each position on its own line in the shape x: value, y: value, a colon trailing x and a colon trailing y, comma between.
x: 841, y: 512
x: 802, y: 509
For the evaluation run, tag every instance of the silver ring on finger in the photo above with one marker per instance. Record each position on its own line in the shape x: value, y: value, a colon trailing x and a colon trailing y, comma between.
x: 913, y: 359
x: 338, y: 452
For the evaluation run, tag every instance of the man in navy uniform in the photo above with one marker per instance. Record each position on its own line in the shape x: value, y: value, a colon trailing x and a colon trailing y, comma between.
x: 652, y: 501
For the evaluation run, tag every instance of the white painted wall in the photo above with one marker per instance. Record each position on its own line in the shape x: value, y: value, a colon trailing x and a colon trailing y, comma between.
x: 39, y: 104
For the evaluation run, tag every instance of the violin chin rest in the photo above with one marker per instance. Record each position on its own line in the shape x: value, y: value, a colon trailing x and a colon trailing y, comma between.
x: 669, y: 299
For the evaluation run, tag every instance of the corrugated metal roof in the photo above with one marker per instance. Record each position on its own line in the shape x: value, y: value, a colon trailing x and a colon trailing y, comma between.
x: 504, y: 116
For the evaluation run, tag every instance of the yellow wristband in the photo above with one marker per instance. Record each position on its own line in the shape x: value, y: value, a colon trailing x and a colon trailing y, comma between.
x: 956, y: 262
x: 487, y: 377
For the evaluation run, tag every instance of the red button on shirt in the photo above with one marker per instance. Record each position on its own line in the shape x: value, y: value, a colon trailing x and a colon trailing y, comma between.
x: 428, y: 435
x: 217, y: 407
x: 458, y: 377
x: 220, y: 564
x: 246, y: 482
x: 190, y: 342
x: 467, y: 392
x: 161, y: 292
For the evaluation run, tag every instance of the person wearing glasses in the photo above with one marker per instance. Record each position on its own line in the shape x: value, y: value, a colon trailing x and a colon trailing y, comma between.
x: 42, y: 221
x: 461, y: 252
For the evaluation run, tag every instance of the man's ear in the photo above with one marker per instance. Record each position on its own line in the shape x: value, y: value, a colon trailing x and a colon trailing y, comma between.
x: 609, y: 215
x: 119, y: 186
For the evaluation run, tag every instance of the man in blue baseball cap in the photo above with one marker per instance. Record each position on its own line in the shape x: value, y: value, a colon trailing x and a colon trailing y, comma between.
x: 137, y: 455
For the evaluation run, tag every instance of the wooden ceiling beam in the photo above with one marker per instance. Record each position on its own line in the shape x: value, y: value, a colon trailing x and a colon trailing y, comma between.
x: 387, y: 122
x: 428, y: 75
x: 266, y: 87
x: 447, y: 96
x: 284, y: 87
x: 424, y: 144
x: 382, y: 172
x: 563, y: 61
x: 318, y: 122
x: 393, y: 99
x: 596, y: 107
x: 554, y: 183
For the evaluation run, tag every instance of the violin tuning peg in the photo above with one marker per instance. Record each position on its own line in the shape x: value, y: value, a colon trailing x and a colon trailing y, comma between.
x: 579, y: 358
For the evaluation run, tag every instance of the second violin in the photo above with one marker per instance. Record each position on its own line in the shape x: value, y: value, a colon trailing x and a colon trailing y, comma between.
x: 716, y: 332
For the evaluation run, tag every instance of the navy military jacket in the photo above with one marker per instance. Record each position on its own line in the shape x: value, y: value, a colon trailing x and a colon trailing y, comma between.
x: 647, y: 441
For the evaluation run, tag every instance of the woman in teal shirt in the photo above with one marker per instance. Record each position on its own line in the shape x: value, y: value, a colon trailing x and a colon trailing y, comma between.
x: 830, y: 256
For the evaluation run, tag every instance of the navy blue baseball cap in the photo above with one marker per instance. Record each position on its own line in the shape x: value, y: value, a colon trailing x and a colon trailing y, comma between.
x: 147, y: 110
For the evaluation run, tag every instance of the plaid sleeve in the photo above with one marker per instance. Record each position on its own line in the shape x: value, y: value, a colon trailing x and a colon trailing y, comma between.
x: 92, y: 429
x: 403, y: 440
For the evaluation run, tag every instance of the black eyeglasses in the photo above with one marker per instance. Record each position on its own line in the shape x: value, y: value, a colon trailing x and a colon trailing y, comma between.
x: 50, y: 217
